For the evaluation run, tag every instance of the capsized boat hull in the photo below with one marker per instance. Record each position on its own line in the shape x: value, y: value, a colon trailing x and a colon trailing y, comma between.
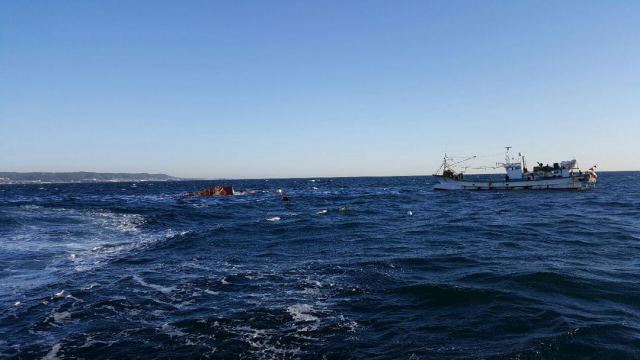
x: 447, y: 183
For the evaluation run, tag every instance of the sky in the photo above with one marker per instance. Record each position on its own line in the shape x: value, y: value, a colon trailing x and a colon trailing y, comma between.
x: 278, y: 89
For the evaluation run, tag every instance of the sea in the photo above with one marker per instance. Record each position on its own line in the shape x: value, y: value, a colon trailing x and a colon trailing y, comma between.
x: 348, y: 268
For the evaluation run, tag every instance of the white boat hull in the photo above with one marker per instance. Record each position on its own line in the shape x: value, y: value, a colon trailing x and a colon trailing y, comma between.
x: 447, y: 183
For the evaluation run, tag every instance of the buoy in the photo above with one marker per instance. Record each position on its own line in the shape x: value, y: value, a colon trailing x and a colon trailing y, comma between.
x: 409, y: 213
x: 285, y: 198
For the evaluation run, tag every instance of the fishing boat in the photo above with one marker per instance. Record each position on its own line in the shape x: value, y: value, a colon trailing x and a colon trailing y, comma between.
x: 562, y: 175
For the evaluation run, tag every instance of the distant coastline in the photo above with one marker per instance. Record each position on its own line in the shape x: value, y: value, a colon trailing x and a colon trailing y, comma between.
x: 79, y: 177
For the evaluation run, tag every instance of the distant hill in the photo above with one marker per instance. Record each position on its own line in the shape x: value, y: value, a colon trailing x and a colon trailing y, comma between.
x: 82, y: 176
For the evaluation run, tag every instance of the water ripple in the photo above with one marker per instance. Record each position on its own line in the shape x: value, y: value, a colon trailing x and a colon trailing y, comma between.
x: 367, y: 268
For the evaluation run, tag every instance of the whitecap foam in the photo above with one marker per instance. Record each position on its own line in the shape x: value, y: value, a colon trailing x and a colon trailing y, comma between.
x: 101, y: 254
x: 350, y: 326
x: 73, y: 298
x: 17, y: 239
x: 60, y: 317
x: 30, y: 207
x: 126, y: 223
x: 53, y: 353
x: 108, y: 307
x: 311, y: 291
x: 57, y: 318
x: 90, y: 286
x: 172, y: 330
x: 301, y: 312
x: 264, y: 342
x: 157, y: 287
x: 321, y: 212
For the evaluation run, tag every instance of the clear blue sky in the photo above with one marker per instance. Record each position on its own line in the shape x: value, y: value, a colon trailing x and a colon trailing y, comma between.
x: 259, y: 89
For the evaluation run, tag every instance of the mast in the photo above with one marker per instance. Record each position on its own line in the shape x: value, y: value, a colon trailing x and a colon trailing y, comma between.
x: 450, y: 166
x: 513, y: 169
x: 507, y: 155
x: 443, y: 166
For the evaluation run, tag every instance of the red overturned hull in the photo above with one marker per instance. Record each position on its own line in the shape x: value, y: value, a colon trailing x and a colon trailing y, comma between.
x: 214, y: 191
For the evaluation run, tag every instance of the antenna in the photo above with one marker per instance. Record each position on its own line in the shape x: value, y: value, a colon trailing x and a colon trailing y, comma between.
x: 507, y: 155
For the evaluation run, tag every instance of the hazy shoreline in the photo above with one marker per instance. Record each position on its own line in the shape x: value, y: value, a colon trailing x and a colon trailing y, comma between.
x: 79, y: 177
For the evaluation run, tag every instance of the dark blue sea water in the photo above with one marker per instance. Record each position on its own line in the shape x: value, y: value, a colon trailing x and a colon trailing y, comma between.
x: 350, y: 268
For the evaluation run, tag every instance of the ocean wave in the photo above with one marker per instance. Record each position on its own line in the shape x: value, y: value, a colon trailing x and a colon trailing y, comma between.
x: 100, y: 272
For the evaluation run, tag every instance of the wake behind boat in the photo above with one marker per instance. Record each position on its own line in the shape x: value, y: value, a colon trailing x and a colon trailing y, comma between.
x: 563, y: 175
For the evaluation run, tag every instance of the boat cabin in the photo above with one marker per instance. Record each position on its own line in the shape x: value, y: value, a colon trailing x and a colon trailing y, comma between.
x: 514, y: 171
